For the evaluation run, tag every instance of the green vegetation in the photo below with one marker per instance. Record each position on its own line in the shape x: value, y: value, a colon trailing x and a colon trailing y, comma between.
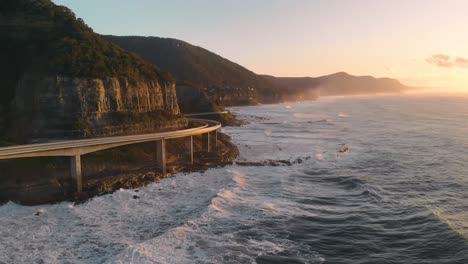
x: 42, y: 38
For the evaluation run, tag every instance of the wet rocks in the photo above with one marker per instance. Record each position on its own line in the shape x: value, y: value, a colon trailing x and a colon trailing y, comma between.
x: 344, y: 150
x: 273, y: 163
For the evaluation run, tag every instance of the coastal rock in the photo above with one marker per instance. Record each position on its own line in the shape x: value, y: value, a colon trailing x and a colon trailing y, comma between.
x: 273, y: 163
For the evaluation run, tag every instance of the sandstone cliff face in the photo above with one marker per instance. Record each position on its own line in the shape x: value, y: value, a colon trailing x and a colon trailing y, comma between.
x: 64, y: 107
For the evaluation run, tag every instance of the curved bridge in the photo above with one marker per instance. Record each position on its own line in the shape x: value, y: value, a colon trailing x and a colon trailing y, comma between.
x: 76, y: 148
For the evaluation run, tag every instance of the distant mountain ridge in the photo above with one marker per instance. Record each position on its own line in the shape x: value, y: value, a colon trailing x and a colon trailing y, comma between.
x: 341, y: 83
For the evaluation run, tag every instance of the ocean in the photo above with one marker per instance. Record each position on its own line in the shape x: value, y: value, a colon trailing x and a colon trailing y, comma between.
x: 363, y: 179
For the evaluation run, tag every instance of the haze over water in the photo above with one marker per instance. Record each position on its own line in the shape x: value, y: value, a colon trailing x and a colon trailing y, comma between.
x: 397, y: 196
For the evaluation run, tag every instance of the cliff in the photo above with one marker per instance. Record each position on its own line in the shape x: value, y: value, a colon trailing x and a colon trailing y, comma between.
x: 60, y: 80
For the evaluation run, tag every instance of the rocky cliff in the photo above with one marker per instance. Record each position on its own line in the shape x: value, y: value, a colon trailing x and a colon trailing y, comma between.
x: 61, y: 80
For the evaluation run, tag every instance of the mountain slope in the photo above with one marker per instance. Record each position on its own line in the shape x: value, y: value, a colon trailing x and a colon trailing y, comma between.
x: 60, y: 79
x: 187, y: 62
x: 340, y: 83
x: 224, y: 82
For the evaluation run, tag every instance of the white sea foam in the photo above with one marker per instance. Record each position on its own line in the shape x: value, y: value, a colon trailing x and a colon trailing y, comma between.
x: 102, y: 227
x: 305, y: 115
x: 319, y: 156
x: 195, y: 242
x: 343, y: 115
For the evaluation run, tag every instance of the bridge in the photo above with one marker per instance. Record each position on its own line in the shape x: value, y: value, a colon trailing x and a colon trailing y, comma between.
x: 76, y: 148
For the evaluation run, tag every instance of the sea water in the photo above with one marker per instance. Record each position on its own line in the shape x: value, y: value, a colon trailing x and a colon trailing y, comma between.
x: 374, y: 179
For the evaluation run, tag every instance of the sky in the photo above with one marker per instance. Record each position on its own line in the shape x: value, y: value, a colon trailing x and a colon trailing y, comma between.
x: 422, y: 43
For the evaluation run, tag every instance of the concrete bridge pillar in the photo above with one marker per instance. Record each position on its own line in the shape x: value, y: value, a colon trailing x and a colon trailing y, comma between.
x: 189, y: 148
x: 161, y: 154
x: 206, y: 142
x: 75, y: 169
x: 214, y: 138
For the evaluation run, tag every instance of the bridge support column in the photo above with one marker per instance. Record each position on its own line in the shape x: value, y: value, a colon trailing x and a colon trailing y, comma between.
x: 189, y: 148
x: 206, y: 142
x: 75, y: 169
x: 161, y: 154
x: 214, y: 138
